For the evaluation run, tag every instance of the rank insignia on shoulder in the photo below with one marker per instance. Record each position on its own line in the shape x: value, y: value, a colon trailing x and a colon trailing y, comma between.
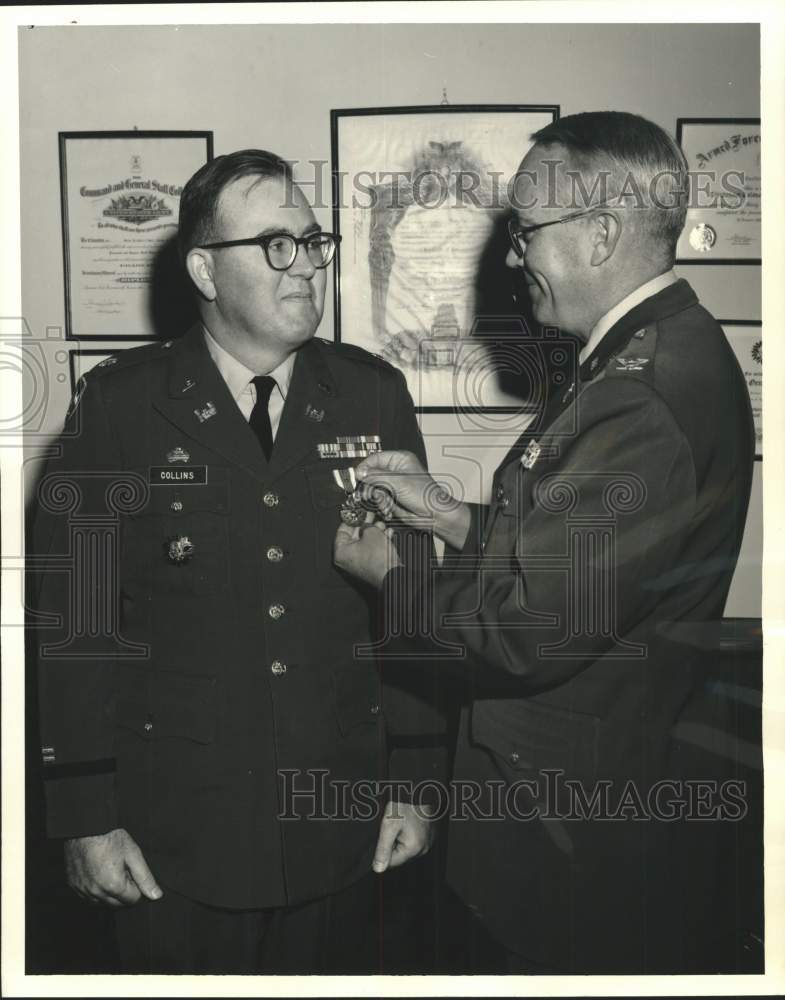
x: 207, y: 411
x: 530, y: 456
x: 107, y: 362
x: 48, y: 755
x: 177, y: 454
x: 631, y: 364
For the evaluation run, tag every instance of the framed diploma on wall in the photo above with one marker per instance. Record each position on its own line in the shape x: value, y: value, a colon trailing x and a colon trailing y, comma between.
x: 724, y: 215
x: 420, y: 198
x: 746, y: 339
x: 120, y: 194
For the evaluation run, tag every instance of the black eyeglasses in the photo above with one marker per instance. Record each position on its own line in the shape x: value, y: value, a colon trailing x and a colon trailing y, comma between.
x: 518, y: 233
x: 280, y: 249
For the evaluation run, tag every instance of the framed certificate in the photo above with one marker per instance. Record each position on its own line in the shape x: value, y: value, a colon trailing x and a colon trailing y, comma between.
x: 724, y: 215
x: 120, y: 194
x: 746, y: 339
x: 421, y: 200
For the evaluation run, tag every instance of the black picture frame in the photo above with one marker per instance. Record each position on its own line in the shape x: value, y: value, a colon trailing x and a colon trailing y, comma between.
x: 337, y: 115
x: 66, y: 138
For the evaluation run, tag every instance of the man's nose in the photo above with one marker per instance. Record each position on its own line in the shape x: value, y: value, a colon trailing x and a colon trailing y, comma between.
x: 512, y: 259
x: 302, y: 264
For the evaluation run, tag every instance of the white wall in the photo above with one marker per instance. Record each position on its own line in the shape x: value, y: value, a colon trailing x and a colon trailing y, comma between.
x: 256, y: 85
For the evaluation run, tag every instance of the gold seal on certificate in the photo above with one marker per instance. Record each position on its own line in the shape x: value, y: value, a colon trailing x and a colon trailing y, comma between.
x: 702, y: 238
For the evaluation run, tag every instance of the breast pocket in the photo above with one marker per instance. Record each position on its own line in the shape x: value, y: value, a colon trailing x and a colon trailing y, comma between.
x: 326, y: 499
x: 179, y: 541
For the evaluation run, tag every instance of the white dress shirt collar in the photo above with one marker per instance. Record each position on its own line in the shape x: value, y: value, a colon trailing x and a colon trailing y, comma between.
x: 237, y: 376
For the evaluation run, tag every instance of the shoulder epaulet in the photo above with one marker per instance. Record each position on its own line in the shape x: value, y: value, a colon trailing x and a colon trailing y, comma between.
x: 130, y: 356
x: 355, y: 353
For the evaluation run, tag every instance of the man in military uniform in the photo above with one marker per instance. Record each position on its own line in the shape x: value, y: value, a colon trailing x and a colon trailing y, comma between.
x: 194, y: 748
x: 588, y: 595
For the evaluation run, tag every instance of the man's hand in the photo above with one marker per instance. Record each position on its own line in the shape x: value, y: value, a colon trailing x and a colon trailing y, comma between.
x: 367, y: 552
x: 109, y: 869
x: 405, y: 833
x: 397, y: 486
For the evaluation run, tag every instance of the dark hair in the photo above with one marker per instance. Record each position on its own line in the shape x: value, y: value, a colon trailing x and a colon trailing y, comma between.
x: 639, y: 155
x: 199, y: 200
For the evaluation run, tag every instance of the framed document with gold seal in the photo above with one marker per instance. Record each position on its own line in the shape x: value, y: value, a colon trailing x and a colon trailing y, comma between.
x: 724, y: 209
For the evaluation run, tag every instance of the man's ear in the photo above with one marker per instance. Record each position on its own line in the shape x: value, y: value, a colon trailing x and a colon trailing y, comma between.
x: 605, y: 237
x: 199, y: 264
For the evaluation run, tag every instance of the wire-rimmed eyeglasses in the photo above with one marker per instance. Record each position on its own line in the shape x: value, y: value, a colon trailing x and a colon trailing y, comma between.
x: 280, y: 249
x: 519, y: 233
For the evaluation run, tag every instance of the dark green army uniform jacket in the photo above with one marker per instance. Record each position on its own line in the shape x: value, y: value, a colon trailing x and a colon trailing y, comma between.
x: 207, y: 662
x: 587, y: 602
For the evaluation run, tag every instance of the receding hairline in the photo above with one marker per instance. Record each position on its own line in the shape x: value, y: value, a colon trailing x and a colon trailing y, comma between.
x: 254, y: 181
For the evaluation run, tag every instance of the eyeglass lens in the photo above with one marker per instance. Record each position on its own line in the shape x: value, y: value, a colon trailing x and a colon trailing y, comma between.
x: 282, y: 250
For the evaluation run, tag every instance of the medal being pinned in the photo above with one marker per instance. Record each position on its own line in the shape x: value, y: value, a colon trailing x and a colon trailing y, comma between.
x: 352, y: 511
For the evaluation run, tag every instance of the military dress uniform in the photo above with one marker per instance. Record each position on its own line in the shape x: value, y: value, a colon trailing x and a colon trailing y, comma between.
x: 205, y: 666
x: 588, y: 600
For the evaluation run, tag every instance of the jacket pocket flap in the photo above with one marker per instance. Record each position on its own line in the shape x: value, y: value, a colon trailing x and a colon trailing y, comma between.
x: 164, y: 704
x: 325, y: 491
x: 533, y: 736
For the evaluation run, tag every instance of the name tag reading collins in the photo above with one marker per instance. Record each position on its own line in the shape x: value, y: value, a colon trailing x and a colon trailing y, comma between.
x: 185, y: 475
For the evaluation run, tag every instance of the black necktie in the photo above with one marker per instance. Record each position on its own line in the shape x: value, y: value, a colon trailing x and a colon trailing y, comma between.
x: 260, y: 416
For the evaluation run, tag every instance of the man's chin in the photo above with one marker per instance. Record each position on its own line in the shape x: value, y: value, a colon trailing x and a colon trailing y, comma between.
x: 300, y: 334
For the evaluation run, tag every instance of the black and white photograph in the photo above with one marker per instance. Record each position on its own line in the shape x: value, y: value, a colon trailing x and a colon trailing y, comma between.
x: 386, y: 608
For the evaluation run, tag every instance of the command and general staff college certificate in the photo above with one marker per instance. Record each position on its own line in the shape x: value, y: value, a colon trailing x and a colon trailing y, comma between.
x: 121, y: 200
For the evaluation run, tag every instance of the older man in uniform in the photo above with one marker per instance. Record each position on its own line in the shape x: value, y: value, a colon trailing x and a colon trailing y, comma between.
x: 588, y: 595
x: 194, y: 754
